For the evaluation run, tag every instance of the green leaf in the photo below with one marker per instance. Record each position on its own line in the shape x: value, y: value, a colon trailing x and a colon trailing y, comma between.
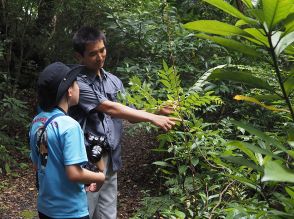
x: 245, y: 181
x: 194, y: 161
x: 291, y: 153
x: 248, y: 3
x: 243, y: 76
x: 228, y: 8
x: 290, y: 191
x: 198, y: 86
x: 258, y: 35
x: 254, y: 149
x: 245, y: 149
x: 165, y: 83
x: 290, y: 50
x: 232, y: 44
x: 284, y: 43
x: 165, y: 67
x: 268, y: 140
x: 289, y: 23
x: 182, y: 169
x: 274, y: 171
x: 162, y: 164
x: 240, y: 23
x: 289, y: 85
x: 253, y: 100
x: 215, y: 27
x: 180, y: 214
x: 275, y: 10
x: 268, y: 97
x: 242, y: 162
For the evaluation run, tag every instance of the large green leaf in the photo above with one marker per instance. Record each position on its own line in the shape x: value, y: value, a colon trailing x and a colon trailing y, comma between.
x: 226, y: 7
x: 231, y: 44
x: 268, y: 97
x: 275, y: 10
x: 289, y: 23
x: 198, y: 86
x: 274, y: 171
x: 258, y: 13
x: 215, y: 27
x: 253, y: 100
x: 284, y: 43
x: 244, y: 76
x: 268, y: 140
x: 248, y: 3
x: 240, y: 23
x: 290, y: 50
x: 243, y: 162
x: 241, y: 145
x: 289, y: 85
x: 258, y: 36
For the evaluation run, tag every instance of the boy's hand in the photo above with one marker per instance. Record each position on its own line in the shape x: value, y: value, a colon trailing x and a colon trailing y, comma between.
x: 91, y: 188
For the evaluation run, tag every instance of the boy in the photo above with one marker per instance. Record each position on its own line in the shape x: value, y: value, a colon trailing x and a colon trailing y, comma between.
x: 57, y: 145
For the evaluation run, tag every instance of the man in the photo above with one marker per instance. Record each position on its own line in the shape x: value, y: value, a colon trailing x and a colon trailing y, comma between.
x: 99, y: 113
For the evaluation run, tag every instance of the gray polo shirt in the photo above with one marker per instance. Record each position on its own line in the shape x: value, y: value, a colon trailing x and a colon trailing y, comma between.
x: 93, y: 91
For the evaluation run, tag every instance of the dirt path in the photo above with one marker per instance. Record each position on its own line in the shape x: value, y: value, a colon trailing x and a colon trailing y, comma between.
x: 18, y: 193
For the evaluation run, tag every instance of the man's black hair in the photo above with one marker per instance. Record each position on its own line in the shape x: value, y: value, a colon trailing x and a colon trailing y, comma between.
x: 86, y: 35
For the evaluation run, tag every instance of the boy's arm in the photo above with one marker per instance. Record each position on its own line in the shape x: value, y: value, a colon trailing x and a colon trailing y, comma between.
x: 76, y: 173
x: 118, y: 110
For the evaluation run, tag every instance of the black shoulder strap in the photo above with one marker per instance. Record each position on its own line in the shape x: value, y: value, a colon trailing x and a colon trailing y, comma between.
x: 48, y: 122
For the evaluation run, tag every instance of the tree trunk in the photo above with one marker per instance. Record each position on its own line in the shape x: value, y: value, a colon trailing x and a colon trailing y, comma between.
x: 240, y: 5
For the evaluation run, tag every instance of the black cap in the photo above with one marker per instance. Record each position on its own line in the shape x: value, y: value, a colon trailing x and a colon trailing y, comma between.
x: 53, y: 83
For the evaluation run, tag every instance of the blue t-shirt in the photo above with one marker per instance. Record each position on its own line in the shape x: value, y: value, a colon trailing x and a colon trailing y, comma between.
x: 59, y: 197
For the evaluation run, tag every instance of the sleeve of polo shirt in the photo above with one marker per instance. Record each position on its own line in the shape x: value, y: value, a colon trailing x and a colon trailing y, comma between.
x: 74, y: 151
x: 89, y: 98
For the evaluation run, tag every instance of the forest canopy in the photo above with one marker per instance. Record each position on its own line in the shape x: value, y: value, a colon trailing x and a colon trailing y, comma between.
x: 228, y: 64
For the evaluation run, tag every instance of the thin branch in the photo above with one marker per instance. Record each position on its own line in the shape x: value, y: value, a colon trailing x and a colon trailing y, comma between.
x: 220, y: 199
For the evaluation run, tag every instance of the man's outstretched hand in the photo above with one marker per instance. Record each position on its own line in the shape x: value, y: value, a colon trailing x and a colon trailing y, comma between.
x: 164, y: 122
x: 168, y: 108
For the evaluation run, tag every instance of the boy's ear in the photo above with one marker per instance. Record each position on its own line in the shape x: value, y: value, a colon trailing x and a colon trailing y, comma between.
x: 69, y: 91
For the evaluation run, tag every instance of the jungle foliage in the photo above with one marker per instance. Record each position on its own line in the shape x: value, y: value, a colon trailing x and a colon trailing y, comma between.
x: 231, y: 82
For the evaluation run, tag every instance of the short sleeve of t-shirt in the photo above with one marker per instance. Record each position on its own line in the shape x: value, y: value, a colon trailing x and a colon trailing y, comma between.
x: 33, y: 153
x: 90, y: 97
x: 74, y: 148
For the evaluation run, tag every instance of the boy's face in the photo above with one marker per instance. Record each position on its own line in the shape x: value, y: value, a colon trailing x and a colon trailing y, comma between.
x: 94, y: 56
x: 74, y: 93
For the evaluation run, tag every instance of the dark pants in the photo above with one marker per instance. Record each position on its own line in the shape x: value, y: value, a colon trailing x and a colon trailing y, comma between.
x: 43, y: 216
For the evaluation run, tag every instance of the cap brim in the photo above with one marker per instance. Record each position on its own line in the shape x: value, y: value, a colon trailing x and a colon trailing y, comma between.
x: 67, y: 81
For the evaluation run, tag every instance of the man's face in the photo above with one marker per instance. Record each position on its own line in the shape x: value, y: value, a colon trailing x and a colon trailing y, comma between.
x: 94, y: 56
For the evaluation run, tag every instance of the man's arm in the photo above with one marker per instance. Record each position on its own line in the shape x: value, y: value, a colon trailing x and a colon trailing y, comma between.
x: 118, y: 110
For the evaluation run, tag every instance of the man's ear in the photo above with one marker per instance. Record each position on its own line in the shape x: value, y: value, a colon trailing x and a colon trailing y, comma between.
x: 78, y: 57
